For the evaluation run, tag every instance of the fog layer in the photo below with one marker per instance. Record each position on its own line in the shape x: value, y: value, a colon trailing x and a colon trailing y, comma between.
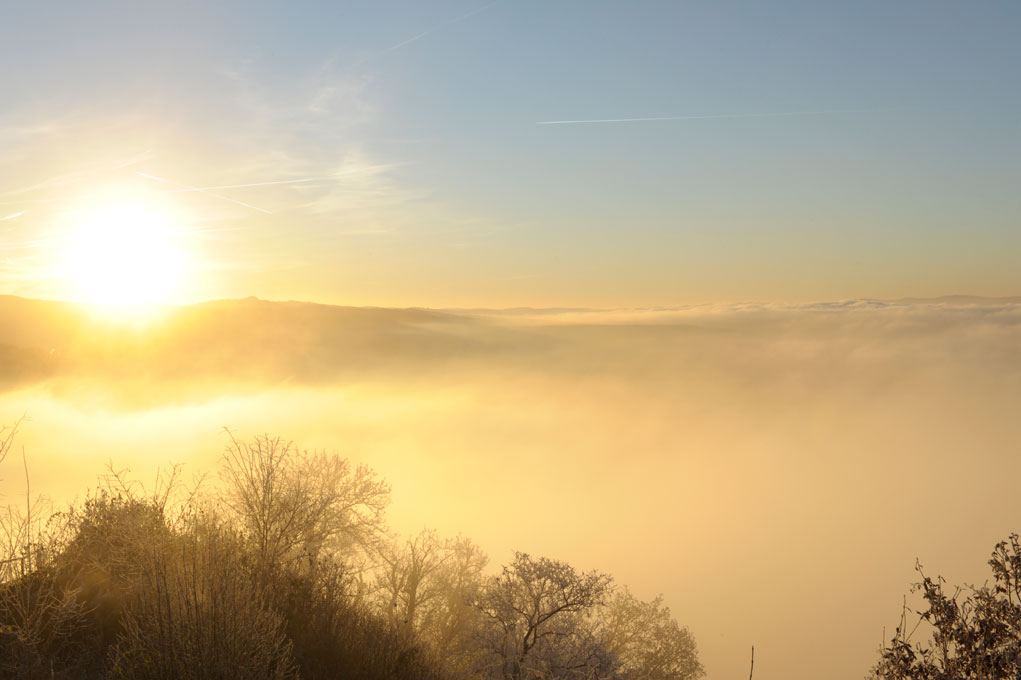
x: 774, y: 470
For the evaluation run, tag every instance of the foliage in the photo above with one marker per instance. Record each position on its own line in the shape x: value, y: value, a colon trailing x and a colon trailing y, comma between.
x: 197, y: 612
x: 975, y: 632
x: 43, y: 625
x: 336, y: 635
x: 287, y: 572
x: 164, y: 585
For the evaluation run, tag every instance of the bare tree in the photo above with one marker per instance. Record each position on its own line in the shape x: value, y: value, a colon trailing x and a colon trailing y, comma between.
x: 647, y: 640
x: 407, y: 579
x: 535, y: 609
x: 451, y: 621
x: 7, y: 433
x: 295, y: 504
x: 425, y: 585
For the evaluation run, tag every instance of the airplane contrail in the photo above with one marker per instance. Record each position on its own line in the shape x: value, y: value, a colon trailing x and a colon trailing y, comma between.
x: 74, y: 177
x: 185, y: 187
x: 712, y: 116
x: 448, y: 22
x: 245, y: 186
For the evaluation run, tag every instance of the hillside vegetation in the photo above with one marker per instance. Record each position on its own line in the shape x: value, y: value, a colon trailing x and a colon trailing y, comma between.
x: 281, y: 566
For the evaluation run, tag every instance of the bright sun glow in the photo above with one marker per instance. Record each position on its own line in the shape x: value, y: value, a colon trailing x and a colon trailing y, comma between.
x: 125, y: 257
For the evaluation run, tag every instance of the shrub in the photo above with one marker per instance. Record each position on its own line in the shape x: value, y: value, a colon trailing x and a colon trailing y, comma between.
x: 336, y: 635
x: 197, y: 613
x: 974, y: 632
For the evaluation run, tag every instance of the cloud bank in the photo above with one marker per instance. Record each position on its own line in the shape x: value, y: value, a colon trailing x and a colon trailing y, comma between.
x: 774, y: 469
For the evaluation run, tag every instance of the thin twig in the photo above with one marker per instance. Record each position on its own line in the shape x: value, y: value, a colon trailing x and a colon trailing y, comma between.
x: 28, y: 509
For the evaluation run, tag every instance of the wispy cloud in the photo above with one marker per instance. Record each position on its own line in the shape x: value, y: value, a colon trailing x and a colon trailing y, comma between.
x: 12, y: 216
x: 82, y: 175
x: 40, y: 243
x: 183, y: 189
x: 32, y: 244
x: 367, y: 231
x: 25, y: 201
x: 712, y: 116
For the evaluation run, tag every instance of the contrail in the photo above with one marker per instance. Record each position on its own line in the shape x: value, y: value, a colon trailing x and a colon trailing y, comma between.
x: 244, y: 186
x: 76, y: 177
x: 714, y: 116
x: 12, y: 216
x: 203, y: 190
x: 448, y: 22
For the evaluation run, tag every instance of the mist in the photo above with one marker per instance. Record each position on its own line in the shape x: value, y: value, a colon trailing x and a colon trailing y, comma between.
x: 774, y: 470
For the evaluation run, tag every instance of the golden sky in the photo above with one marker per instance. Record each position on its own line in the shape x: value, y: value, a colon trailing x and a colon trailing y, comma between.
x: 459, y: 154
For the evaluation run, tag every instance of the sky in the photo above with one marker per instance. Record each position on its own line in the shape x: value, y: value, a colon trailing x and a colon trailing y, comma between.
x: 724, y: 204
x: 416, y: 154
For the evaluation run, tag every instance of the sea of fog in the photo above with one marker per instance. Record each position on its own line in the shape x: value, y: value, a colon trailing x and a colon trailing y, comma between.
x: 775, y: 471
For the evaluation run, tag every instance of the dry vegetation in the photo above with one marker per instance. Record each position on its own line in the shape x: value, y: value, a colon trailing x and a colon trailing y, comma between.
x: 286, y: 569
x: 962, y: 632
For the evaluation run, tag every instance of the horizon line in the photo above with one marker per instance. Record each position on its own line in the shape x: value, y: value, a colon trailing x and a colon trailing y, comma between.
x: 1003, y: 299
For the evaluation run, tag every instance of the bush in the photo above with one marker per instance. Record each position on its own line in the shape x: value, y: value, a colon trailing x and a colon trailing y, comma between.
x: 336, y: 636
x: 974, y: 632
x: 272, y: 580
x: 132, y: 586
x: 44, y: 631
x: 197, y: 613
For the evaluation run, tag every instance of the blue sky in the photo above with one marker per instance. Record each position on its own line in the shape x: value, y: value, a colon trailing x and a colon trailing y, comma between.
x: 435, y: 185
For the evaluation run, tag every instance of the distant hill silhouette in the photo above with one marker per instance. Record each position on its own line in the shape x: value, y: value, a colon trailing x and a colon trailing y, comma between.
x: 963, y: 300
x: 240, y: 340
x: 195, y: 351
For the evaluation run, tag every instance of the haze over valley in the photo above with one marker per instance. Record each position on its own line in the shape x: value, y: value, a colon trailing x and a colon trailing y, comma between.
x: 761, y: 465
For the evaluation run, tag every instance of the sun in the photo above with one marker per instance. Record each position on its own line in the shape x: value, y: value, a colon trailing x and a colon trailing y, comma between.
x: 124, y: 256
